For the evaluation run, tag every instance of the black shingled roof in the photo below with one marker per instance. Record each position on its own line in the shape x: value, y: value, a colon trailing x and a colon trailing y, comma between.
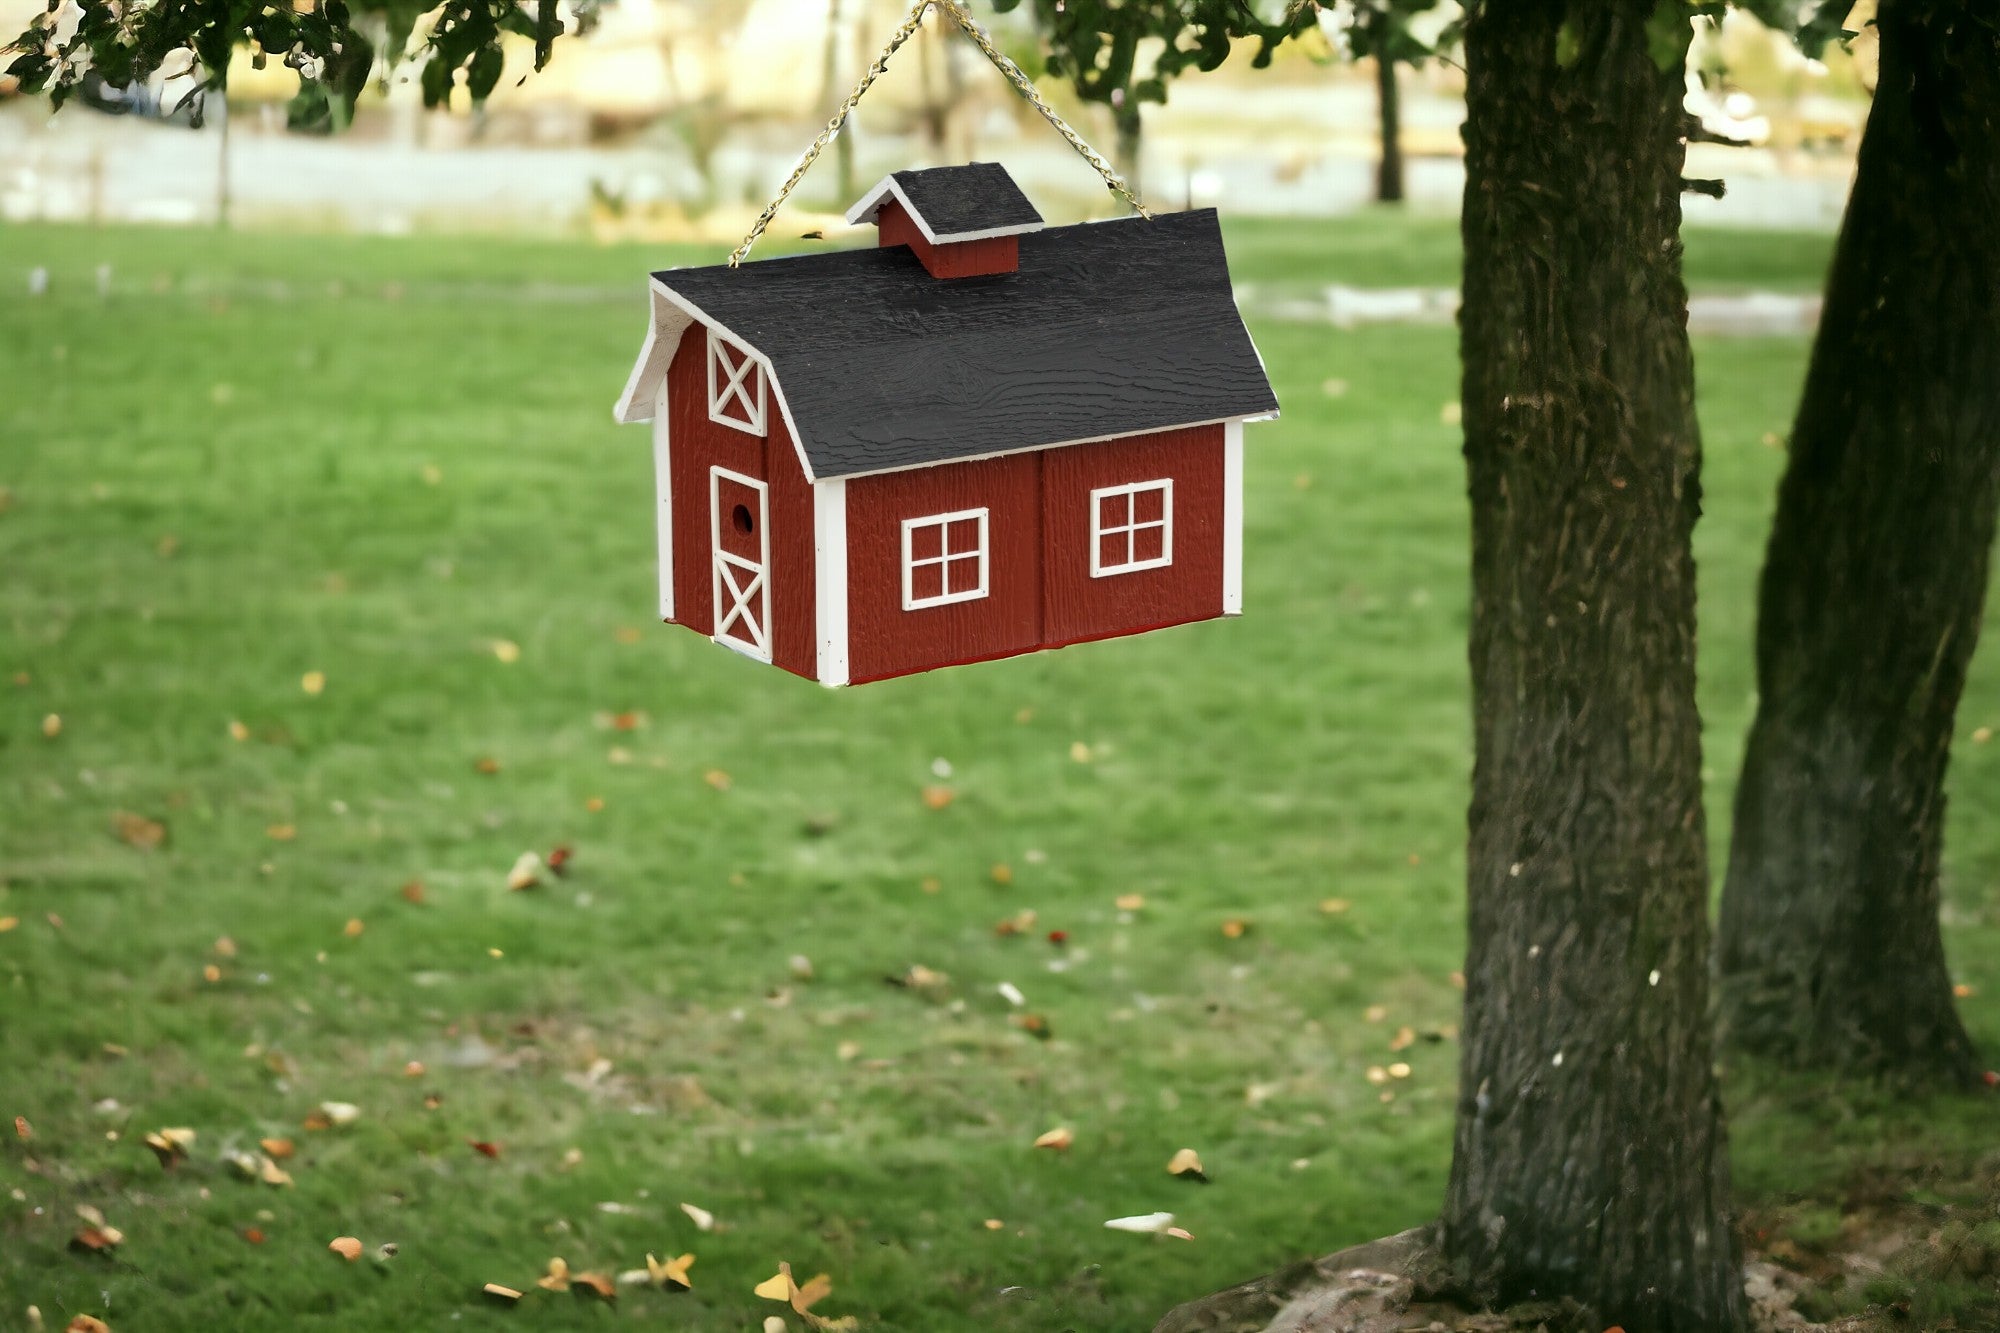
x: 1108, y: 328
x: 976, y: 197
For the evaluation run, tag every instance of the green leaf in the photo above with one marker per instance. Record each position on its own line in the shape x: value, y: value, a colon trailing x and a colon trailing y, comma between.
x: 1569, y: 46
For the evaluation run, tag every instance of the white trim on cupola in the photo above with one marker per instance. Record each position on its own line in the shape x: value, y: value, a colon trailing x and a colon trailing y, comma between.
x: 871, y: 204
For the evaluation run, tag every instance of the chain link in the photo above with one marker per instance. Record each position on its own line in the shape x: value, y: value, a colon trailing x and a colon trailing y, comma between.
x: 1022, y: 83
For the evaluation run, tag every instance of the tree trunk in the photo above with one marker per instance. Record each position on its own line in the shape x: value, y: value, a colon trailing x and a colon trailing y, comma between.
x: 1389, y: 102
x: 1126, y: 153
x: 1829, y: 948
x: 1590, y: 1158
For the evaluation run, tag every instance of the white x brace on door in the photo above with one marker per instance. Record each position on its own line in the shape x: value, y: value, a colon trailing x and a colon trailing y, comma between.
x: 742, y: 545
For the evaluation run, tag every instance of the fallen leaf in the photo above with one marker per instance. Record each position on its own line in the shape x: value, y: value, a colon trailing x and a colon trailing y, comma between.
x: 84, y: 1323
x: 994, y: 1224
x: 559, y: 858
x: 224, y: 947
x: 347, y: 1247
x: 1003, y: 874
x: 313, y: 682
x: 340, y: 1114
x: 1011, y: 994
x: 1965, y: 990
x: 413, y: 1069
x: 486, y: 764
x: 847, y: 1050
x: 237, y: 731
x: 1058, y: 937
x: 703, y: 1219
x: 281, y: 832
x: 1144, y: 1223
x: 717, y: 779
x: 52, y: 725
x: 1034, y: 1025
x: 557, y: 1278
x: 1129, y: 902
x: 937, y: 798
x: 7, y: 923
x: 776, y: 1288
x: 169, y: 1145
x: 355, y: 925
x: 1187, y: 1164
x: 1981, y: 735
x: 1020, y: 923
x: 814, y: 1290
x: 627, y: 634
x: 596, y: 1283
x: 498, y: 1292
x: 1334, y: 906
x: 316, y: 1120
x: 1079, y: 752
x: 1177, y: 1233
x: 671, y: 1273
x: 527, y: 872
x: 1375, y: 1013
x: 774, y: 1324
x: 594, y: 804
x: 1235, y: 928
x: 255, y: 1235
x: 137, y: 830
x: 277, y: 1149
x: 1405, y: 1038
x: 22, y: 1129
x: 271, y: 1173
x: 96, y: 1239
x: 413, y: 892
x: 1399, y: 1070
x: 507, y: 650
x: 211, y: 973
x: 1060, y: 1138
x: 1377, y: 1075
x: 484, y: 1147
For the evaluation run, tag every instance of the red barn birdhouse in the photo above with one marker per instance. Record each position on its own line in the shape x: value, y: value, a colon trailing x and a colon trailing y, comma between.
x: 984, y: 437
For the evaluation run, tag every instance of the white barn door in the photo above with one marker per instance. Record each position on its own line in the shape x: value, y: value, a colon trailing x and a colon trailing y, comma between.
x: 741, y: 541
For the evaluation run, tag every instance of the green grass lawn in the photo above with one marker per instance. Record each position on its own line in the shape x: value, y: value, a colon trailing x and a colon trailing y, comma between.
x: 263, y: 457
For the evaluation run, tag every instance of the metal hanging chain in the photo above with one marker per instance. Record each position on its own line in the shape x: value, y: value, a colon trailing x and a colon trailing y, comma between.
x: 1022, y: 83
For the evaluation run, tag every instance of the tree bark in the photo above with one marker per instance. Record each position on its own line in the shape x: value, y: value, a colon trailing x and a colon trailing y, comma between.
x: 1873, y: 586
x: 1590, y: 1158
x: 1389, y: 105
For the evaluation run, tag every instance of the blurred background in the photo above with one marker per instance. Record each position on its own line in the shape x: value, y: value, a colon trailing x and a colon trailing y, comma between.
x: 672, y: 120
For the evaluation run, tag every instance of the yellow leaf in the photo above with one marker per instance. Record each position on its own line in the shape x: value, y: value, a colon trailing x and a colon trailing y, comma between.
x: 313, y: 682
x: 703, y: 1219
x: 1333, y: 906
x: 527, y: 872
x: 1079, y: 752
x: 1405, y: 1038
x: 271, y: 1173
x: 671, y: 1272
x: 507, y: 650
x: 276, y: 1149
x: 347, y: 1247
x: 1003, y: 873
x: 7, y: 923
x: 354, y: 927
x: 282, y: 832
x: 84, y: 1323
x: 1187, y: 1162
x: 557, y: 1278
x: 937, y: 798
x: 52, y: 725
x: 1130, y: 902
x: 778, y: 1287
x: 1060, y: 1138
x: 603, y: 1287
x: 495, y: 1290
x: 238, y: 732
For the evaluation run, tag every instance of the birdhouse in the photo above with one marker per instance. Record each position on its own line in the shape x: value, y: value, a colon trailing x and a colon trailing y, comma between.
x: 985, y: 436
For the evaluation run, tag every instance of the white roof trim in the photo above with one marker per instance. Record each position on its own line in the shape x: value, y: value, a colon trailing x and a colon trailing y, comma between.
x: 871, y: 204
x: 672, y: 314
x: 1056, y: 444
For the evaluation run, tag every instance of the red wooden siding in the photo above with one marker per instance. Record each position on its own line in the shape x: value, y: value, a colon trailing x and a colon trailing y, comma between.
x: 694, y: 445
x: 1076, y: 606
x: 886, y: 640
x: 954, y: 259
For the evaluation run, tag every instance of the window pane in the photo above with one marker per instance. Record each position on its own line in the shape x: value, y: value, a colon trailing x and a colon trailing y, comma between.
x: 926, y: 541
x: 1150, y: 505
x: 926, y: 581
x: 1111, y: 550
x: 962, y: 574
x: 1113, y: 511
x: 1149, y: 543
x: 964, y: 536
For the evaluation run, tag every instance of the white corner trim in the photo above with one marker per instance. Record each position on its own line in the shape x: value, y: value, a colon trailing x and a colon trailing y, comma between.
x: 945, y: 557
x: 1131, y: 527
x: 663, y: 485
x: 830, y: 579
x: 1232, y: 519
x: 871, y: 204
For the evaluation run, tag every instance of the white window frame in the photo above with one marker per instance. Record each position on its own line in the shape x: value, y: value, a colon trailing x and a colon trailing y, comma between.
x: 743, y: 386
x: 1131, y: 526
x: 945, y: 558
